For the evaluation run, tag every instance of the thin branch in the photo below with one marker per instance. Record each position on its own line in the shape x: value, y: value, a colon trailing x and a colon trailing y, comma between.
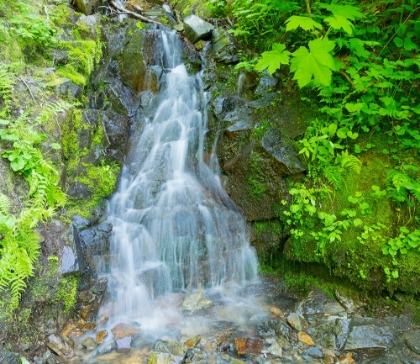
x: 21, y: 78
x: 132, y: 13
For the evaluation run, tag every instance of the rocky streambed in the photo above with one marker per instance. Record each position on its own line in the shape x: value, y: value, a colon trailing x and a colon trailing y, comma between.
x: 205, y: 329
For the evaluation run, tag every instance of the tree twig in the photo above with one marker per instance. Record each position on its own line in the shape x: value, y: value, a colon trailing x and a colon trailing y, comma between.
x: 27, y: 86
x: 132, y: 13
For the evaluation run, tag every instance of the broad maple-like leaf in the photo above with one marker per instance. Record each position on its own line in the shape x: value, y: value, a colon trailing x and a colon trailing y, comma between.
x: 272, y: 60
x: 340, y: 22
x: 304, y: 22
x: 316, y: 64
x: 346, y: 11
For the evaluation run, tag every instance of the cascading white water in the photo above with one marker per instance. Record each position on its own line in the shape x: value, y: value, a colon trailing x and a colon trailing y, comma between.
x: 174, y: 227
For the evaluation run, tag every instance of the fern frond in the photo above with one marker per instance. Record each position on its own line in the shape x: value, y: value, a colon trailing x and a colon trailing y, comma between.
x: 350, y: 162
x: 7, y: 80
x: 4, y: 204
x: 333, y: 175
x: 52, y: 109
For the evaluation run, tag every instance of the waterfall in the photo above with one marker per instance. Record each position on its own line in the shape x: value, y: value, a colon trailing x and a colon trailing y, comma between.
x: 174, y: 227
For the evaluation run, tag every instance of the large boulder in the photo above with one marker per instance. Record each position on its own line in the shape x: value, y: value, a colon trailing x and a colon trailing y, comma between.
x: 197, y: 29
x: 87, y: 7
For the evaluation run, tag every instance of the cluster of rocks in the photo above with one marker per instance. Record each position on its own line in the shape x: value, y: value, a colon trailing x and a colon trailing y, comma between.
x: 317, y: 330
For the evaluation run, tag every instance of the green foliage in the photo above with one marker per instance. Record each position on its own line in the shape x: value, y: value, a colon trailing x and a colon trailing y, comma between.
x: 272, y: 60
x: 7, y: 80
x: 316, y: 64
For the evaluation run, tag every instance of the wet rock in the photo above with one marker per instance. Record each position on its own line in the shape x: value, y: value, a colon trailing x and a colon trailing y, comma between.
x: 123, y: 344
x: 347, y: 303
x: 412, y: 340
x: 86, y: 326
x: 276, y: 312
x: 276, y: 329
x: 94, y: 244
x: 87, y: 26
x: 266, y: 85
x: 103, y: 320
x: 223, y: 48
x: 87, y: 6
x: 123, y: 330
x: 305, y: 338
x: 69, y: 260
x: 319, y: 304
x: 385, y: 359
x: 195, y: 303
x: 79, y: 190
x: 282, y: 150
x: 7, y: 357
x: 296, y: 321
x: 331, y: 333
x: 58, y: 346
x: 254, y: 346
x: 248, y: 346
x: 89, y: 344
x: 170, y: 347
x: 315, y: 352
x: 346, y: 359
x: 194, y: 341
x: 369, y: 338
x: 240, y: 346
x: 100, y: 335
x: 196, y: 28
x: 275, y: 350
x: 163, y: 358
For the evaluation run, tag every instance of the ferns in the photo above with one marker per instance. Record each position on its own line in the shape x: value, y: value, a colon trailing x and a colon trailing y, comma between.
x: 350, y: 162
x: 19, y: 244
x: 6, y: 84
x: 52, y: 109
x: 401, y: 187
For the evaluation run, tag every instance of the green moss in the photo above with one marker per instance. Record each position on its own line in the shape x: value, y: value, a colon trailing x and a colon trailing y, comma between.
x: 256, y: 183
x: 67, y: 291
x: 371, y: 219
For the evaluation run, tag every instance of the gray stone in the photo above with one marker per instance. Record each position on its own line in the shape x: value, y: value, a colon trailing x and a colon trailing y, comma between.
x: 79, y: 190
x: 6, y: 357
x: 319, y: 304
x: 223, y: 48
x: 294, y: 320
x: 89, y: 344
x: 87, y: 26
x: 412, y: 340
x: 87, y: 7
x: 385, y: 359
x: 369, y: 338
x: 275, y: 349
x: 315, y: 352
x: 195, y: 303
x: 196, y: 28
x: 282, y: 151
x: 170, y: 347
x: 163, y: 358
x: 59, y: 347
x: 69, y: 261
x: 124, y: 344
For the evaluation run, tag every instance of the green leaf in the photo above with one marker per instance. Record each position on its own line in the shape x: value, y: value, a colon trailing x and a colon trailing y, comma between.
x: 272, y: 60
x: 4, y: 122
x: 340, y: 22
x: 398, y: 42
x: 409, y: 45
x: 55, y: 146
x: 304, y: 22
x: 346, y: 11
x: 316, y: 64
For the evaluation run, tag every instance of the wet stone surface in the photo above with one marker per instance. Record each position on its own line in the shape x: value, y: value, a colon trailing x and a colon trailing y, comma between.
x: 313, y: 330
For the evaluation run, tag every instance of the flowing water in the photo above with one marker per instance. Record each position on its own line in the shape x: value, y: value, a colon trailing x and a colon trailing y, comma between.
x: 175, y: 230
